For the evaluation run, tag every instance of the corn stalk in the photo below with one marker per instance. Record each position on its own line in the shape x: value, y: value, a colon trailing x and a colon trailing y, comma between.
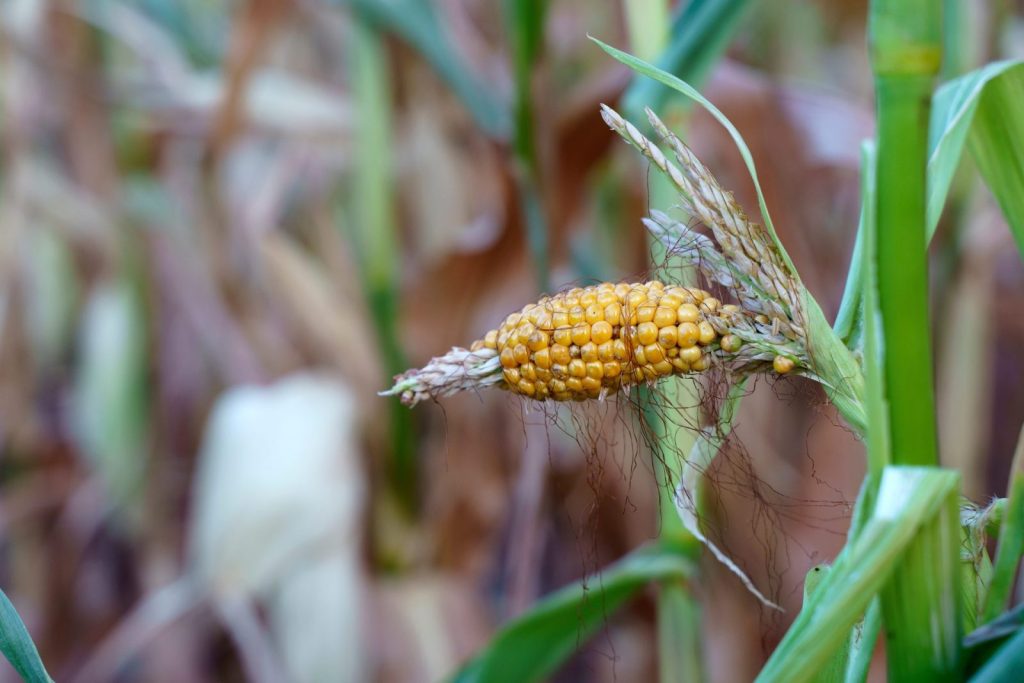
x: 920, y: 603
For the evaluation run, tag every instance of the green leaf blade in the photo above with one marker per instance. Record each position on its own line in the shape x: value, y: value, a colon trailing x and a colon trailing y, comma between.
x: 17, y: 645
x: 982, y: 111
x: 535, y: 644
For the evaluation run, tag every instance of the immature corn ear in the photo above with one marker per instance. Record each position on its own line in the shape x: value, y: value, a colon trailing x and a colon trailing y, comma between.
x: 590, y: 342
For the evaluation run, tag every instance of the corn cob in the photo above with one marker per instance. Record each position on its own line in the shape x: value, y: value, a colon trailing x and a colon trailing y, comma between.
x: 589, y: 342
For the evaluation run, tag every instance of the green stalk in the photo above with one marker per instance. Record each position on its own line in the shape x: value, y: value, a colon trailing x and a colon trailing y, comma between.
x: 921, y: 601
x: 906, y: 51
x: 679, y: 615
x: 679, y: 625
x: 647, y: 22
x: 525, y: 19
x: 375, y: 234
x: 862, y: 644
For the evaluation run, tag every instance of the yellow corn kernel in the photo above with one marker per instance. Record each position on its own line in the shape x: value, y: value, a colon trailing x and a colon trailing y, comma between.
x: 621, y: 352
x: 613, y: 313
x: 655, y: 354
x: 664, y: 316
x: 521, y: 354
x: 667, y: 336
x: 580, y: 334
x: 562, y: 336
x: 710, y: 304
x: 646, y: 333
x: 690, y: 354
x: 687, y: 313
x: 663, y: 368
x: 730, y: 343
x: 707, y: 333
x: 687, y: 334
x: 782, y: 365
x: 601, y: 331
x: 560, y: 354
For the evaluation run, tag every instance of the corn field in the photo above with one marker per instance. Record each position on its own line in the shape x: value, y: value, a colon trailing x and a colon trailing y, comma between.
x: 454, y: 340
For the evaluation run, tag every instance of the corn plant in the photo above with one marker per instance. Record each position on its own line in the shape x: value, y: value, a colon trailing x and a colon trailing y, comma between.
x: 901, y: 572
x: 914, y: 567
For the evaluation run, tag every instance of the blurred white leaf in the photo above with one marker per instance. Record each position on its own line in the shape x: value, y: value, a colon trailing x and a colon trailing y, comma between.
x: 278, y: 500
x: 110, y: 389
x: 316, y: 617
x: 274, y: 100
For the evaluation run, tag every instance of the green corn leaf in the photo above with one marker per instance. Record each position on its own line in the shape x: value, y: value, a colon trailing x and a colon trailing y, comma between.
x: 1011, y: 540
x: 910, y: 500
x: 1005, y: 664
x: 834, y: 669
x: 700, y: 33
x: 17, y: 645
x: 878, y: 443
x: 535, y: 644
x: 982, y: 644
x: 850, y: 318
x: 983, y: 110
x: 417, y: 23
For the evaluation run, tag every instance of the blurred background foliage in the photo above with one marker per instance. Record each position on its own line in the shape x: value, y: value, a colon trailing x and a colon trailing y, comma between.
x: 225, y: 225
